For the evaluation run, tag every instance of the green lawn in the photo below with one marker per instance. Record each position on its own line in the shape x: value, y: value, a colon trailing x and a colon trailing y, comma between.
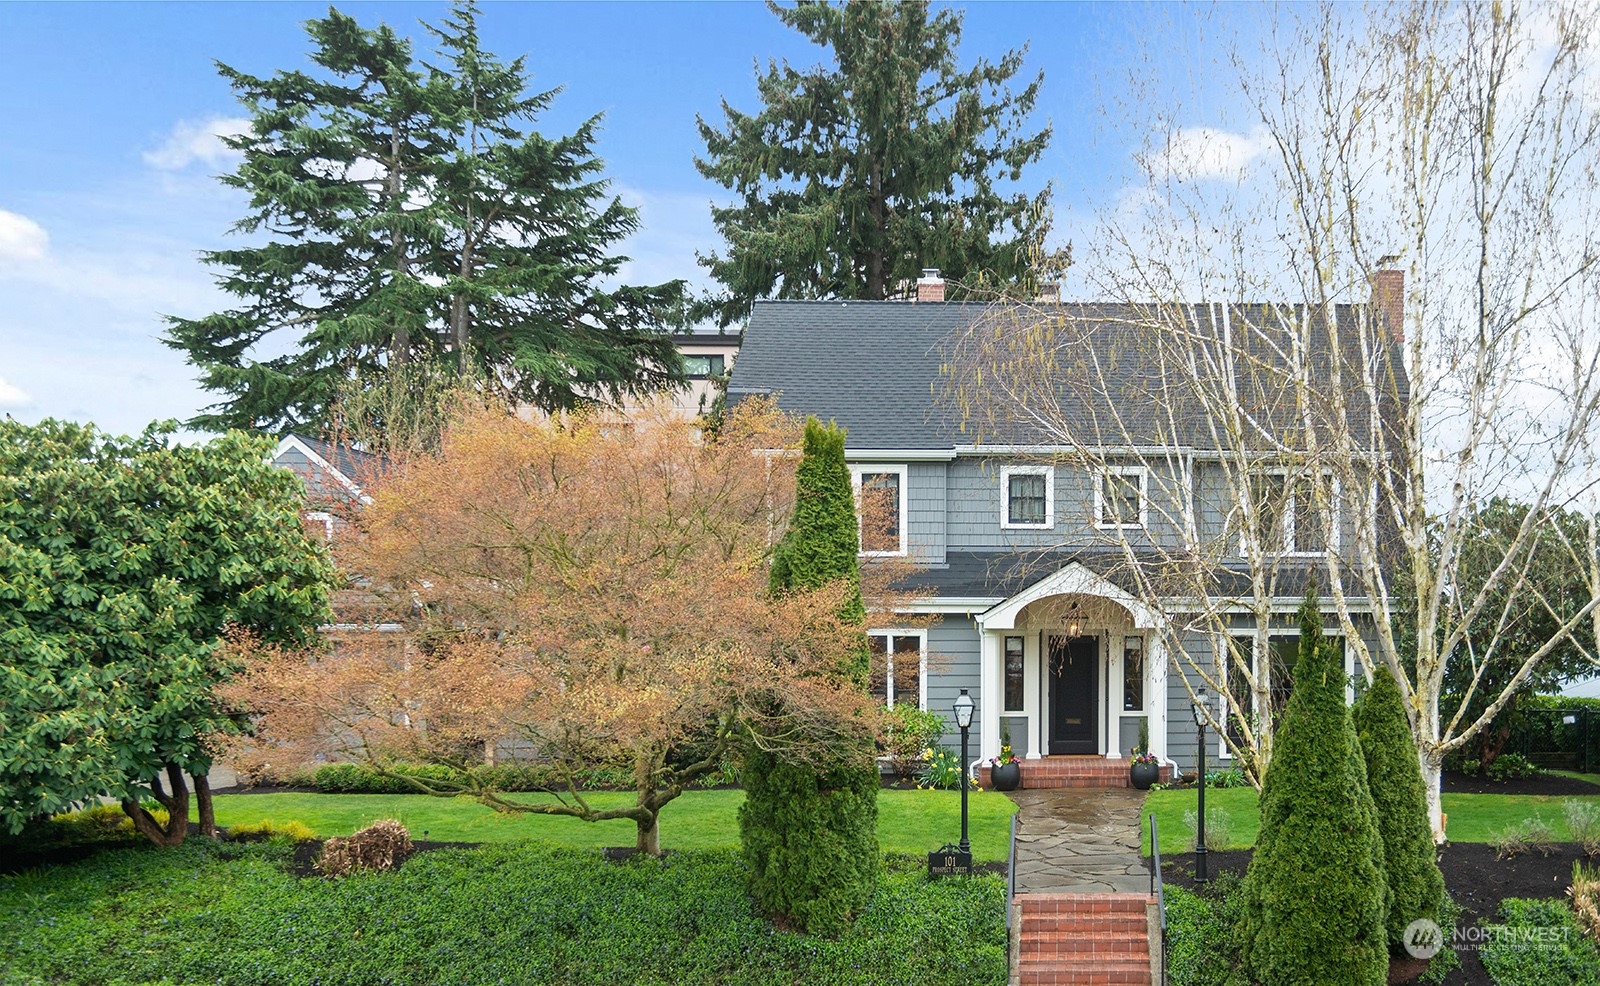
x: 1472, y: 817
x: 908, y: 821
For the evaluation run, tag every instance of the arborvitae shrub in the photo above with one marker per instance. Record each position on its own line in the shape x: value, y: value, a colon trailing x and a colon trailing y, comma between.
x: 809, y: 827
x: 1394, y: 777
x: 811, y: 839
x: 1315, y: 897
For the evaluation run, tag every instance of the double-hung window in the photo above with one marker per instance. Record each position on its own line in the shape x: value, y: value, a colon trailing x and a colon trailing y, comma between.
x: 898, y: 659
x: 1028, y: 496
x: 1283, y: 652
x: 1295, y: 515
x: 1120, y: 496
x: 881, y: 508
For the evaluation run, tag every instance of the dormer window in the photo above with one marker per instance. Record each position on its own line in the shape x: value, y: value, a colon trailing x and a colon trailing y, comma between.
x: 1120, y: 497
x: 881, y: 508
x: 1027, y: 495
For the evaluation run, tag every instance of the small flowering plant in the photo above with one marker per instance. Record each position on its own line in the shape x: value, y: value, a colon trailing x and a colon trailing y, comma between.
x: 1005, y: 757
x: 1144, y: 756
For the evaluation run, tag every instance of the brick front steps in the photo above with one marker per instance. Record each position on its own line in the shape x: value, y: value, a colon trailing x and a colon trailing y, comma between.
x: 1083, y: 939
x: 1053, y: 772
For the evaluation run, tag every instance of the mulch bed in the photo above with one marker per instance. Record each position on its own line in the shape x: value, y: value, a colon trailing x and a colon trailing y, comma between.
x: 1476, y: 879
x: 1548, y: 784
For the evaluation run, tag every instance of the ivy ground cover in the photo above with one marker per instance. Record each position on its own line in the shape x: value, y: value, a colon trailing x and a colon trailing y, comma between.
x: 532, y: 913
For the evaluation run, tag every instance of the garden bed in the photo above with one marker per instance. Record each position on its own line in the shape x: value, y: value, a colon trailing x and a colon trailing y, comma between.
x: 1477, y: 880
x: 1545, y: 784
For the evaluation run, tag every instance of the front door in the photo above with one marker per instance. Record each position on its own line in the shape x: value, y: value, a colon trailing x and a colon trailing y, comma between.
x: 1074, y: 681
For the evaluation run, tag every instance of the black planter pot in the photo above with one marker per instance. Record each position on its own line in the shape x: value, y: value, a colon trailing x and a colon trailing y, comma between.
x: 1142, y: 775
x: 1006, y: 776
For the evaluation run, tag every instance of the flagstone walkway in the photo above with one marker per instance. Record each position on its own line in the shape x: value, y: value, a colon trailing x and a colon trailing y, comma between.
x: 1080, y: 841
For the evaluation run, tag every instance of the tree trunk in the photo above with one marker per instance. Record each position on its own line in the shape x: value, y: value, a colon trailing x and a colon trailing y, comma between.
x: 400, y: 341
x: 649, y: 840
x: 877, y: 287
x: 177, y: 805
x: 1432, y: 768
x: 202, y: 797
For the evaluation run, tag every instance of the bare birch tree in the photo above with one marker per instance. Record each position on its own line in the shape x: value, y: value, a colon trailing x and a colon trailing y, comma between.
x: 1415, y: 196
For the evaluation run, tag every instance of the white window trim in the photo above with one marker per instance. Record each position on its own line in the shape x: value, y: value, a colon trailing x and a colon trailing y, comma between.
x: 1049, y: 474
x: 1335, y: 504
x: 1255, y: 657
x: 855, y: 483
x: 888, y: 670
x: 1099, y: 496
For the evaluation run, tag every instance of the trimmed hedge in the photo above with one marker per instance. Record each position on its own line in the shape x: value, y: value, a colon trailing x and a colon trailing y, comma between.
x: 1540, y: 944
x: 358, y: 778
x: 1394, y: 776
x: 1202, y: 942
x: 524, y: 913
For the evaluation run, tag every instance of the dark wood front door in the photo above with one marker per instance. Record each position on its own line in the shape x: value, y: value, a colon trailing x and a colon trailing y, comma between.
x: 1074, y: 690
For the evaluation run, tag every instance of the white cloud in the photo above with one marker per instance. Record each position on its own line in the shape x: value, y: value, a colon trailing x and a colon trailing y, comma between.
x: 192, y: 141
x: 1201, y: 153
x: 13, y: 396
x: 21, y: 239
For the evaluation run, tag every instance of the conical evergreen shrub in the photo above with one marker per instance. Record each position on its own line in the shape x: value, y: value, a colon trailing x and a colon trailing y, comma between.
x: 1394, y: 776
x: 1315, y: 900
x: 810, y: 831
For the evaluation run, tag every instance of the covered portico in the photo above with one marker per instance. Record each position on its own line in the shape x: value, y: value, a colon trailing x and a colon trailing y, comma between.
x: 1077, y: 663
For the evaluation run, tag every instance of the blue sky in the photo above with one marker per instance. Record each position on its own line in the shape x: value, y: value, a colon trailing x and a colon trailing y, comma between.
x: 107, y: 158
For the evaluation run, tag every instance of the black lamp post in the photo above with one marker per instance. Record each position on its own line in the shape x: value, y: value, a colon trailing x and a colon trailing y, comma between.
x: 963, y: 710
x: 1200, y: 842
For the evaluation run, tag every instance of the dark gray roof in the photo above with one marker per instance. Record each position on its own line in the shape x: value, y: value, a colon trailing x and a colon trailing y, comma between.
x: 353, y: 464
x: 869, y: 365
x: 879, y: 368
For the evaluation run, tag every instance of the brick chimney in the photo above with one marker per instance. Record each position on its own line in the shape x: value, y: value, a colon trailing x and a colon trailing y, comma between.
x: 930, y: 286
x: 1389, y: 296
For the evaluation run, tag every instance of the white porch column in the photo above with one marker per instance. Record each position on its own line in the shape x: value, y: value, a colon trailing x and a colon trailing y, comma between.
x: 991, y: 693
x: 1033, y: 695
x: 1155, y: 692
x: 1111, y: 694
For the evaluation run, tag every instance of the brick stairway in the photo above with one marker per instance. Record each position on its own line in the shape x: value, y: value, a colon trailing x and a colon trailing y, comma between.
x: 1058, y: 772
x: 1083, y: 939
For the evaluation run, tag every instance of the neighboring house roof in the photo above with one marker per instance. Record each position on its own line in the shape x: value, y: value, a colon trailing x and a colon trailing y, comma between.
x: 330, y: 471
x: 879, y: 368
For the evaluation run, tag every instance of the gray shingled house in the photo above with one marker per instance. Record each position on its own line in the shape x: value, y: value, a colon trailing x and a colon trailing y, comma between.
x: 1044, y: 559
